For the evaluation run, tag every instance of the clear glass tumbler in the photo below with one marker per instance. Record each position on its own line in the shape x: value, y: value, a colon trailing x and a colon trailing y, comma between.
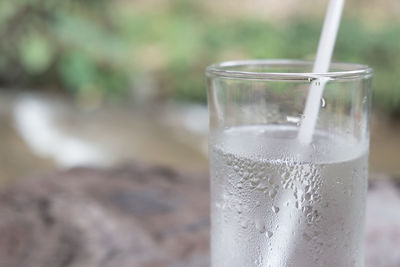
x: 275, y: 201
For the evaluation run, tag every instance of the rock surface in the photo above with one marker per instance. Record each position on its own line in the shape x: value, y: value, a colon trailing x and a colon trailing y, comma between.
x: 125, y: 217
x: 383, y: 225
x: 139, y: 215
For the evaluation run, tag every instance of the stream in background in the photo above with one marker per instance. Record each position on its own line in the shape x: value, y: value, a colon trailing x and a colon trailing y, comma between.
x: 41, y: 133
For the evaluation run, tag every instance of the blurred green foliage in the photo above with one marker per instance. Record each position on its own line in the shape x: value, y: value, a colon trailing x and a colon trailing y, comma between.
x: 113, y: 48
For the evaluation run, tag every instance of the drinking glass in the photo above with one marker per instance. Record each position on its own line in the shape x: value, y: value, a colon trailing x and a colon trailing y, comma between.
x: 276, y: 201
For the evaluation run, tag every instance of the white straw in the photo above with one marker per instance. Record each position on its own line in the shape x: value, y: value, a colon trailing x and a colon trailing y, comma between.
x: 290, y: 222
x: 321, y: 65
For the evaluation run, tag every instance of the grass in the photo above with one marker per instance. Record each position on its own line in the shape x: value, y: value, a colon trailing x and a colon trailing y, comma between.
x: 95, y: 47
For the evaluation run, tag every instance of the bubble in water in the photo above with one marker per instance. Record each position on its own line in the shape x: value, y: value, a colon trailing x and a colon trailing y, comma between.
x: 275, y: 209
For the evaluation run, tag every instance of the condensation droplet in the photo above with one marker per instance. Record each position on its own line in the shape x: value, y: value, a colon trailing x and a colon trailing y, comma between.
x: 272, y: 193
x: 307, y: 189
x: 306, y: 237
x: 323, y: 102
x: 244, y: 223
x: 275, y: 209
x: 293, y: 119
x: 239, y: 208
x: 350, y: 192
x: 262, y: 186
x: 269, y: 234
x: 260, y: 226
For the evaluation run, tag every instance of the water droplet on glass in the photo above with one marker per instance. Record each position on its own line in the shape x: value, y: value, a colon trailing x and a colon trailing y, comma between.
x: 307, y: 188
x: 244, y: 223
x: 239, y: 208
x: 309, y: 218
x: 306, y: 237
x: 254, y: 181
x: 272, y: 193
x: 260, y: 226
x: 269, y: 234
x: 286, y: 185
x: 323, y: 102
x: 308, y: 209
x: 270, y: 181
x: 262, y: 186
x: 239, y: 185
x: 275, y: 209
x: 292, y: 119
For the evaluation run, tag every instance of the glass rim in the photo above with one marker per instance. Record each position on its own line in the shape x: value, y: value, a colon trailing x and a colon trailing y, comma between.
x: 226, y: 69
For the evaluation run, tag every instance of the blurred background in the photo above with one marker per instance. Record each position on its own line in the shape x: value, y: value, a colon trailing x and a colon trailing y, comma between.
x: 98, y: 83
x: 102, y: 84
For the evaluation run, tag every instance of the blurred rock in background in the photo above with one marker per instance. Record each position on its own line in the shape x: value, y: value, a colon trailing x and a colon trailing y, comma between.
x: 140, y: 215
